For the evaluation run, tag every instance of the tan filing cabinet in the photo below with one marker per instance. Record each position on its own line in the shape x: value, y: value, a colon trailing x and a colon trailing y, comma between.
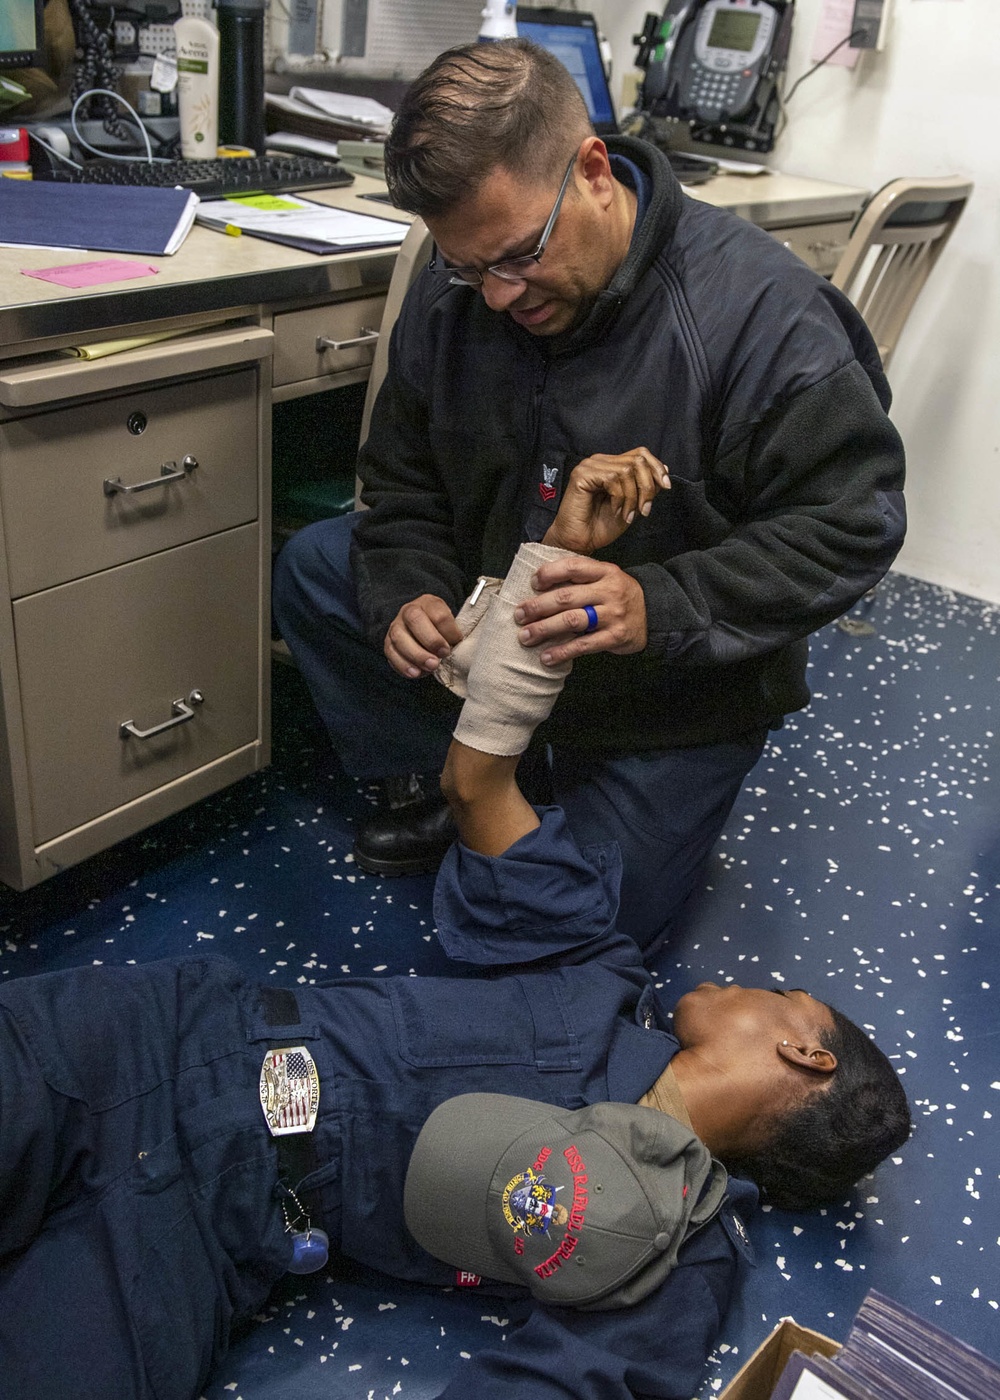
x: 819, y: 245
x: 317, y: 341
x: 134, y: 499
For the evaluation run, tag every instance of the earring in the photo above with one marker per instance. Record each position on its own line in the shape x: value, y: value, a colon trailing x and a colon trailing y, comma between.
x: 784, y: 1042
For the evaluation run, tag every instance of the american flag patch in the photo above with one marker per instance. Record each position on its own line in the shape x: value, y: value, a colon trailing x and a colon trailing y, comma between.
x: 289, y: 1090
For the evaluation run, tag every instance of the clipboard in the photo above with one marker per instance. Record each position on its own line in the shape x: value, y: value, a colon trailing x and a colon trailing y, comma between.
x: 301, y: 223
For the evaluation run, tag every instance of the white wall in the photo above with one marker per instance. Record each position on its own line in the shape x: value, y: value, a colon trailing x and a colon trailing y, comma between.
x: 928, y: 105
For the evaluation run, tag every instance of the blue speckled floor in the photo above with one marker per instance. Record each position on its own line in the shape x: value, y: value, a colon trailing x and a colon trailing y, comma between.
x: 862, y: 862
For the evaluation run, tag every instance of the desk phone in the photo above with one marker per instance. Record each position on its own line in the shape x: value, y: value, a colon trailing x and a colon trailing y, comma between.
x: 720, y: 64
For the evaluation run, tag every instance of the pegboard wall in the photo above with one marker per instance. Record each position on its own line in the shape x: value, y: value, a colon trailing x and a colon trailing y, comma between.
x: 385, y: 37
x: 402, y: 36
x: 382, y: 38
x: 159, y: 38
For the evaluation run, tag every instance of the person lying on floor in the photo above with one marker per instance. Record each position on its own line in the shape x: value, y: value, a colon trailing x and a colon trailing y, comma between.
x: 176, y: 1137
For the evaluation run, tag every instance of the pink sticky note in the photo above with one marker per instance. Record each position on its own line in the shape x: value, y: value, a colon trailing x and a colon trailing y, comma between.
x: 833, y: 29
x: 92, y: 274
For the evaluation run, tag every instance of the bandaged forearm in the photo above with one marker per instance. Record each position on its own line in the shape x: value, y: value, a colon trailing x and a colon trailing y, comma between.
x: 508, y: 690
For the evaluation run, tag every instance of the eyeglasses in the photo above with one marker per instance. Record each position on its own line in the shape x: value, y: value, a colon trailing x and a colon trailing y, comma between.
x: 510, y: 269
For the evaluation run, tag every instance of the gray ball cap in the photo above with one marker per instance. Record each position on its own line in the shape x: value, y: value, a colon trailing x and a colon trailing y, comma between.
x: 585, y: 1207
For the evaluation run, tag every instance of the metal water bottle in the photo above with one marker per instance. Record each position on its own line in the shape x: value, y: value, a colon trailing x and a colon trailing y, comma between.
x: 241, y: 73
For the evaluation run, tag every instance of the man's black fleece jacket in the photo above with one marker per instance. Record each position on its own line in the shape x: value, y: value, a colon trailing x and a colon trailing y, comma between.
x: 753, y: 379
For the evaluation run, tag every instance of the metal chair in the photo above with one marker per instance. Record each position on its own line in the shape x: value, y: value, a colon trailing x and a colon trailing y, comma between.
x: 338, y: 492
x: 899, y: 236
x: 321, y: 482
x: 413, y: 256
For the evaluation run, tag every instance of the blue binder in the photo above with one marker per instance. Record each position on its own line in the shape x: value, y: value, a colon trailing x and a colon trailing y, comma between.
x: 101, y: 218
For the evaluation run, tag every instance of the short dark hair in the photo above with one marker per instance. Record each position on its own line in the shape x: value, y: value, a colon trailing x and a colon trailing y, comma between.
x: 474, y: 109
x: 822, y: 1149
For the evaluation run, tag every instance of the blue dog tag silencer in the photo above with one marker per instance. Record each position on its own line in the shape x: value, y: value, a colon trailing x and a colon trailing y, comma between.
x: 310, y: 1251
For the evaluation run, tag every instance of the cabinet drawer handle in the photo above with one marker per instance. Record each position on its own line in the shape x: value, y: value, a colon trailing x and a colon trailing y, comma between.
x: 367, y: 337
x: 183, y: 711
x: 168, y: 472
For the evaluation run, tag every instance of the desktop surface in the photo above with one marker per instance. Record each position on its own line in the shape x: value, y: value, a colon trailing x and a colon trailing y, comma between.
x: 774, y: 199
x: 213, y: 273
x: 210, y: 275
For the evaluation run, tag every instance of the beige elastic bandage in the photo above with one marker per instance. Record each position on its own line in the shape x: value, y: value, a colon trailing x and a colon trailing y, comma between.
x: 507, y: 690
x: 453, y: 670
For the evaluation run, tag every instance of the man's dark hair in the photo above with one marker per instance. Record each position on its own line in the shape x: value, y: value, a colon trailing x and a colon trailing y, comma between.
x: 821, y: 1150
x: 475, y: 108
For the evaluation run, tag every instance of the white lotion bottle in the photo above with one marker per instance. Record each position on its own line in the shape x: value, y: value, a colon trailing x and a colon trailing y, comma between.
x: 198, y: 86
x: 499, y: 21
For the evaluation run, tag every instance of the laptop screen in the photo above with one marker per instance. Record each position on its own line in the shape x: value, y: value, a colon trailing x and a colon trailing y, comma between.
x: 571, y: 36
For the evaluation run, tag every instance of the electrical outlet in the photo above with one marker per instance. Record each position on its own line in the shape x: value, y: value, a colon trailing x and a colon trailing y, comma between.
x: 869, y: 24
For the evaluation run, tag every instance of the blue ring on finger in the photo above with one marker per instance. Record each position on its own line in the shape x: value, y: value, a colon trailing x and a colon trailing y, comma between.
x: 591, y: 618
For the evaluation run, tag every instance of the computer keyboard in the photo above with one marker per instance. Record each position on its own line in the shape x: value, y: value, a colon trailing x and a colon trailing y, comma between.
x: 225, y: 175
x: 691, y: 169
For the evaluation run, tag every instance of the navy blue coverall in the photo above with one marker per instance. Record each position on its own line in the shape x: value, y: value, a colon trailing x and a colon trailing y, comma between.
x: 139, y: 1214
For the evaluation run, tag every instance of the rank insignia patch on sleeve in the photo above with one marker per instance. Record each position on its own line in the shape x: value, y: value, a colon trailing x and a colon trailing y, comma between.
x: 547, y: 486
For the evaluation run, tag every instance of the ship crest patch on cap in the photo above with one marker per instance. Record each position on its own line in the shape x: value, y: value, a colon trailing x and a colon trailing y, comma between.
x: 531, y: 1209
x: 529, y: 1203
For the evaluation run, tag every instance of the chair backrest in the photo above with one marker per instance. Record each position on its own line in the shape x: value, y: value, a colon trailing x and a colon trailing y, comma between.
x: 414, y: 255
x: 897, y: 239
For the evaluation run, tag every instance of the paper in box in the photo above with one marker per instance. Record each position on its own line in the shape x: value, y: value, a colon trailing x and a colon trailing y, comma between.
x: 757, y: 1378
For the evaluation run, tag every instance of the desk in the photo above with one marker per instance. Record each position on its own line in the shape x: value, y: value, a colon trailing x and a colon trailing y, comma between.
x: 811, y: 217
x: 134, y: 624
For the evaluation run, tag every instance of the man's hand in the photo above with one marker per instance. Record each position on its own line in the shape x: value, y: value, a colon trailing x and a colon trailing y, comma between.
x: 420, y: 634
x: 602, y: 498
x: 555, y: 617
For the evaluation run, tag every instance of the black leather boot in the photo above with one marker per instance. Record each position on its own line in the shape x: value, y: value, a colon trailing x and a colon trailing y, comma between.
x: 410, y: 834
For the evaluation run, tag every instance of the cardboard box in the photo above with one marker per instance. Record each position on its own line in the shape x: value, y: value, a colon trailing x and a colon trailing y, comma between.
x: 756, y: 1379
